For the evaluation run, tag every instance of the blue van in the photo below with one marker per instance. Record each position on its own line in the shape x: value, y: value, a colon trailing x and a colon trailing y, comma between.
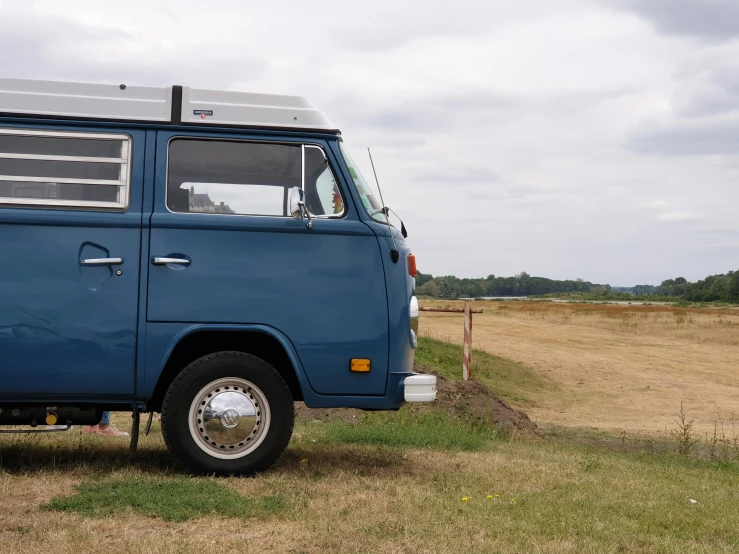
x: 209, y: 255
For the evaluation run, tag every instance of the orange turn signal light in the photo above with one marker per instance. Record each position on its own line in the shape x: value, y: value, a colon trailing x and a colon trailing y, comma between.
x: 412, y: 265
x: 360, y: 365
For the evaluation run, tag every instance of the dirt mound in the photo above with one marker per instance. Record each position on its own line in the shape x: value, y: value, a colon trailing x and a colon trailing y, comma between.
x: 465, y: 399
x: 472, y: 400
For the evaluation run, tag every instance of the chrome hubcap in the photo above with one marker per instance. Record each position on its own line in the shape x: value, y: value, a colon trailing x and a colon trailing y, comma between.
x: 229, y: 418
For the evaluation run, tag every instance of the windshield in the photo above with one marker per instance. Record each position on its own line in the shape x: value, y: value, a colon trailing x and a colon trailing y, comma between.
x: 370, y: 197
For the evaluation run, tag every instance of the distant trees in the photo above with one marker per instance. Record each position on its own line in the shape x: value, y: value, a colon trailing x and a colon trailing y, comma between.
x: 428, y: 289
x: 734, y: 284
x: 674, y: 287
x: 645, y: 289
x: 522, y: 284
x: 422, y: 278
x: 714, y: 288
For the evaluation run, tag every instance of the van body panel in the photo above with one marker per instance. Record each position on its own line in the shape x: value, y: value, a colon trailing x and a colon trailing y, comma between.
x: 163, y: 338
x: 67, y: 328
x: 401, y: 287
x: 328, y: 294
x: 323, y: 288
x: 147, y: 208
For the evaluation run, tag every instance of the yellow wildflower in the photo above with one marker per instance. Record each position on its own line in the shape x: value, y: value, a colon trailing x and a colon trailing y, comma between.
x: 466, y: 498
x: 490, y: 496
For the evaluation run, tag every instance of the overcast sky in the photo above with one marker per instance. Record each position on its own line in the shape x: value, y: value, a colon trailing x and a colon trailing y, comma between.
x: 565, y: 138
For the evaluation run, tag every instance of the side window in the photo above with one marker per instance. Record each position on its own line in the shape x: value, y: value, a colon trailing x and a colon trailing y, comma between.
x: 247, y: 178
x: 62, y: 169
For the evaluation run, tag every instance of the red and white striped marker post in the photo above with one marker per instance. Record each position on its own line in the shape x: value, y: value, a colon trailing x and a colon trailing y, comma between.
x: 468, y: 311
x: 467, y: 361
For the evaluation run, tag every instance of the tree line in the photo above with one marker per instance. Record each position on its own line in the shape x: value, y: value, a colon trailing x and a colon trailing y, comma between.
x: 714, y: 288
x: 723, y: 287
x: 522, y: 284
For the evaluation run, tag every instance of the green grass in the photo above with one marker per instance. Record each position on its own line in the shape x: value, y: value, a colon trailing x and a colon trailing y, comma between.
x: 171, y: 499
x: 411, y: 428
x: 511, y: 381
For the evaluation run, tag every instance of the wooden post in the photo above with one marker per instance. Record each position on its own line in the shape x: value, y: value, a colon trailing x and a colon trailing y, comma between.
x: 468, y: 311
x: 467, y: 362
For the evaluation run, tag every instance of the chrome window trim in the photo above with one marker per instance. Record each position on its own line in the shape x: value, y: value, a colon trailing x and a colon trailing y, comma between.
x: 63, y: 134
x: 64, y: 180
x: 302, y: 167
x: 302, y: 145
x: 124, y: 162
x: 49, y: 158
x: 45, y: 202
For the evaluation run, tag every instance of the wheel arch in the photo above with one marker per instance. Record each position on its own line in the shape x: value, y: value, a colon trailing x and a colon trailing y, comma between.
x: 260, y: 341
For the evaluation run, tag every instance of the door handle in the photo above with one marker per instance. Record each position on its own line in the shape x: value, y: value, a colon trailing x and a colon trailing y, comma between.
x: 165, y: 261
x: 102, y: 261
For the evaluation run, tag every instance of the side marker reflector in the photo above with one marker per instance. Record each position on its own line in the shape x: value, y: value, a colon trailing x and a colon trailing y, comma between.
x: 412, y: 265
x: 360, y: 365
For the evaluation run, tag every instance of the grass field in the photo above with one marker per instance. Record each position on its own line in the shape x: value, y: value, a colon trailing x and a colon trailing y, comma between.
x: 373, y: 489
x: 419, y: 480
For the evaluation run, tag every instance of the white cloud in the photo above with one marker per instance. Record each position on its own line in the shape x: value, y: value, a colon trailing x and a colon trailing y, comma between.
x: 679, y: 217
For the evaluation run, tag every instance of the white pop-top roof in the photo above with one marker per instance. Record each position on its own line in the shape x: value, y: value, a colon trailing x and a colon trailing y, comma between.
x: 173, y: 104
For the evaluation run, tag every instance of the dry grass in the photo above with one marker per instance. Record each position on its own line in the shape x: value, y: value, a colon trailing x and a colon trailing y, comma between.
x: 585, y: 366
x: 546, y: 497
x: 619, y: 367
x: 709, y: 325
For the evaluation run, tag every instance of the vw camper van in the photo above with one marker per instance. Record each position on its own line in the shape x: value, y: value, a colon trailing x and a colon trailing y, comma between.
x: 213, y: 256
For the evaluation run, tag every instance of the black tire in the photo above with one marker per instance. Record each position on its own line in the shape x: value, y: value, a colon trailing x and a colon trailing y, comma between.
x: 190, y: 443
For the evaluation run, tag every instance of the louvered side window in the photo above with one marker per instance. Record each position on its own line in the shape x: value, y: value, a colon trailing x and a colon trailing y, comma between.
x: 65, y: 170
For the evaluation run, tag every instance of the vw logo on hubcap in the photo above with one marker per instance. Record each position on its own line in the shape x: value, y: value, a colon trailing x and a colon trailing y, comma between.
x: 230, y: 418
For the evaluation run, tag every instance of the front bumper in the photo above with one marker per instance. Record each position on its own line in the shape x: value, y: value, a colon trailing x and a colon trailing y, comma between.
x: 405, y: 387
x: 419, y: 388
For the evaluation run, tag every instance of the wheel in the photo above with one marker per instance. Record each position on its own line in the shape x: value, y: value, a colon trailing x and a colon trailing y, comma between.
x: 228, y: 413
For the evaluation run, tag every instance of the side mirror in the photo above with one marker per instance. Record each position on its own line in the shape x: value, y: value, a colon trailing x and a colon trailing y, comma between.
x: 296, y: 205
x: 294, y: 201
